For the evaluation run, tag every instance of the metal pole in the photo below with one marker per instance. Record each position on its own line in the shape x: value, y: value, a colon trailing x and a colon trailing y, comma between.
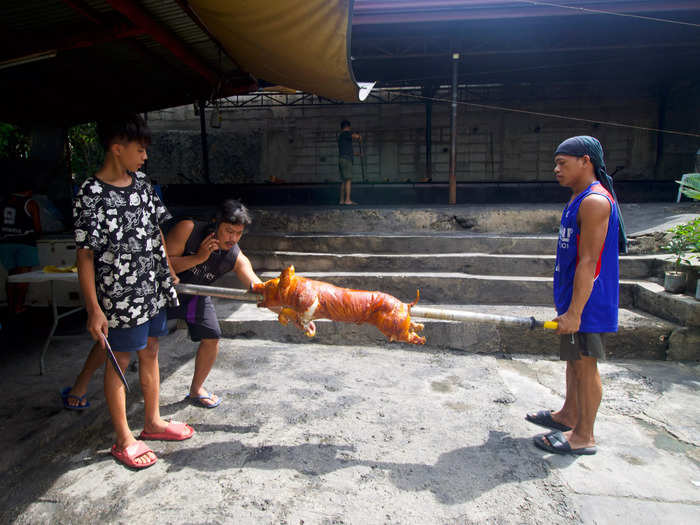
x: 205, y: 148
x: 467, y: 317
x: 362, y: 158
x: 429, y: 140
x: 416, y: 311
x: 453, y: 122
x: 236, y: 294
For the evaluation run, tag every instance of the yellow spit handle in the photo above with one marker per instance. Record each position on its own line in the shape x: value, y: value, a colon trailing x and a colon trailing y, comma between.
x: 550, y: 325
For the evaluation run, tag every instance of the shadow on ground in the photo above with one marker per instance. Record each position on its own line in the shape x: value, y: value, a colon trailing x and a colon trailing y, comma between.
x: 460, y: 475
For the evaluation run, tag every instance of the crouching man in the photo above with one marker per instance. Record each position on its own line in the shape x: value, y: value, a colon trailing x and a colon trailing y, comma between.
x: 202, y: 252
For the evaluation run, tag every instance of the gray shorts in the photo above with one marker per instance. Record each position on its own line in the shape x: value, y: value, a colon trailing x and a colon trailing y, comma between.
x: 345, y: 168
x: 590, y: 344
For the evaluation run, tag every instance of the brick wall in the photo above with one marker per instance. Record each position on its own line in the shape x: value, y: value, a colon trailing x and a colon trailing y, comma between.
x: 298, y: 144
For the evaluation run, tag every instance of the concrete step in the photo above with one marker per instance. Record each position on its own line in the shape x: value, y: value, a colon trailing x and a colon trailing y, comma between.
x: 682, y: 309
x: 435, y: 287
x: 463, y: 288
x: 444, y: 287
x: 640, y: 335
x: 631, y: 267
x: 503, y: 218
x: 412, y: 243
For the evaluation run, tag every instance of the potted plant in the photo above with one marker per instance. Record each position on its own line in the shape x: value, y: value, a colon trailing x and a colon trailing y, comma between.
x: 685, y: 239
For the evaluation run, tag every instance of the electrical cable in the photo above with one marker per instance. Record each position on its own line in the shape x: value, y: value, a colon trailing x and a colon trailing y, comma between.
x: 554, y: 115
x: 613, y: 13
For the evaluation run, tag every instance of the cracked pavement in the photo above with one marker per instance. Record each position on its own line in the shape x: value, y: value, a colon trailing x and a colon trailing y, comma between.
x: 312, y: 433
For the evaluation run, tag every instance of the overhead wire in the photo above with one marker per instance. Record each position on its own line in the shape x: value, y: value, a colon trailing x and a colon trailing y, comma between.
x: 555, y: 115
x: 568, y: 117
x: 613, y: 13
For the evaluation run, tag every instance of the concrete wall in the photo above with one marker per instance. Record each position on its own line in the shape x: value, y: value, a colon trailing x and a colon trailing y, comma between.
x: 298, y: 144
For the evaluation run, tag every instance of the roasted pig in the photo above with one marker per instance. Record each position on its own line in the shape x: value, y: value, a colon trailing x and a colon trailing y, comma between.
x: 302, y: 300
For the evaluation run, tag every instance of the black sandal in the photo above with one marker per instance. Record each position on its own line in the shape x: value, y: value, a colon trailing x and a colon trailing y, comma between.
x: 557, y: 443
x: 543, y: 418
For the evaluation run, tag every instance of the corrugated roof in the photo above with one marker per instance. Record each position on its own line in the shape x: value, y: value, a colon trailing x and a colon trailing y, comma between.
x: 104, y: 59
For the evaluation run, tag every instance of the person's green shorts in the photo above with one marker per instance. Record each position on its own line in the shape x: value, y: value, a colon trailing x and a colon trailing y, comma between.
x: 18, y: 256
x: 345, y: 167
x: 573, y: 346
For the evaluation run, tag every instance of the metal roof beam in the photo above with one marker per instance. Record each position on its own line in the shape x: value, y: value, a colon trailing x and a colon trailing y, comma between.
x: 523, y: 51
x: 76, y: 41
x: 136, y: 14
x: 85, y: 10
x: 368, y: 12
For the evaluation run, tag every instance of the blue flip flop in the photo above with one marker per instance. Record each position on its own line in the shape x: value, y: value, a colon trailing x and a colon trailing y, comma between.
x: 65, y: 396
x: 198, y: 400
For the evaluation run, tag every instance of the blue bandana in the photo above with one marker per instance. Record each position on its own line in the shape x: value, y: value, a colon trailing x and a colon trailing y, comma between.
x: 585, y: 145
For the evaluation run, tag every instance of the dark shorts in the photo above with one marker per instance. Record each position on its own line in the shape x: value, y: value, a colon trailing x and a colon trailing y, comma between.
x: 18, y: 256
x: 345, y: 168
x: 590, y: 344
x: 200, y: 315
x: 135, y: 338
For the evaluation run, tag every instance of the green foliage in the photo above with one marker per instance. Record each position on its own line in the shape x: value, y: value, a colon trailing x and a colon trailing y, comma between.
x: 86, y: 153
x: 690, y: 187
x: 685, y: 240
x: 15, y: 142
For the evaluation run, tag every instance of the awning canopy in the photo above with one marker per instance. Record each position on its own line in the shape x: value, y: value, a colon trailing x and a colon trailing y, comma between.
x: 300, y: 44
x: 69, y: 61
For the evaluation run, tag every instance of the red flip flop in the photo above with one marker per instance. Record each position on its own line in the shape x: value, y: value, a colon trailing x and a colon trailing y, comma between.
x: 128, y: 455
x: 175, y: 431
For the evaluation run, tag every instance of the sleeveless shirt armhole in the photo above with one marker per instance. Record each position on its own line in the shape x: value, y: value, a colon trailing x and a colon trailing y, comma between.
x: 236, y: 252
x: 610, y: 200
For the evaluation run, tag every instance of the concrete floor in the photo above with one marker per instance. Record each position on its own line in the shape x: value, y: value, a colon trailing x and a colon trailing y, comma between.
x: 309, y: 433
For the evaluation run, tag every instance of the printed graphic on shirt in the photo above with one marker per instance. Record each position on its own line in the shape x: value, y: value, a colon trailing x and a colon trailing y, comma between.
x: 9, y: 216
x: 565, y: 236
x: 16, y: 222
x: 121, y: 227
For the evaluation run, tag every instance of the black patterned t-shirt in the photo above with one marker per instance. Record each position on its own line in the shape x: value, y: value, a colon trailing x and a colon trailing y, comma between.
x: 121, y: 227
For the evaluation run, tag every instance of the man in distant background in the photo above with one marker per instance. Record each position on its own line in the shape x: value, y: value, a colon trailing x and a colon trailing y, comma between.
x: 345, y: 159
x: 20, y: 226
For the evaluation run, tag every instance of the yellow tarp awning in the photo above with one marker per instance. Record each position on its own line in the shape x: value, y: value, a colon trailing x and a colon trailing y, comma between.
x: 301, y: 44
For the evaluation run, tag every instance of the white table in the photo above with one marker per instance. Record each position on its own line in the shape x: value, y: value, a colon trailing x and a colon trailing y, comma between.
x: 42, y: 277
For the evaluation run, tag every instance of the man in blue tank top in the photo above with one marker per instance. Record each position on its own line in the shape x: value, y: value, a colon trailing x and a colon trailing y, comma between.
x: 586, y: 290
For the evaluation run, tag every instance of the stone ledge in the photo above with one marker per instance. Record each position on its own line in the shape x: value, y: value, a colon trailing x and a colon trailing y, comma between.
x: 684, y: 345
x: 680, y: 309
x: 631, y: 267
x: 640, y: 335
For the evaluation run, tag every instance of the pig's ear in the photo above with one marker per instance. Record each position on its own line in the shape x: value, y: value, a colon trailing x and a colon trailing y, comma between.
x: 286, y: 277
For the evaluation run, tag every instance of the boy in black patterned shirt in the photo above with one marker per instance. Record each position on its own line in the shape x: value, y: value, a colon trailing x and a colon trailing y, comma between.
x: 126, y: 279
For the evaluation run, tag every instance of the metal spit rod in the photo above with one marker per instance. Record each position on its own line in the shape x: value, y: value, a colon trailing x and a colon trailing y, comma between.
x: 465, y: 316
x: 236, y: 294
x: 423, y: 312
